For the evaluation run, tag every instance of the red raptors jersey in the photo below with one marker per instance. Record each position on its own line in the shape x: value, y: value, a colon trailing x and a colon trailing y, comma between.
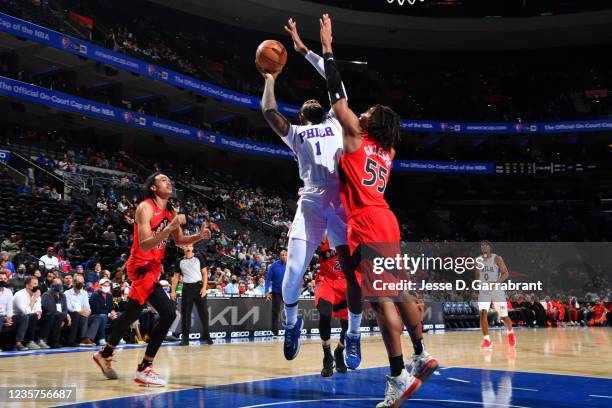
x: 153, y: 257
x: 364, y: 174
x: 329, y: 265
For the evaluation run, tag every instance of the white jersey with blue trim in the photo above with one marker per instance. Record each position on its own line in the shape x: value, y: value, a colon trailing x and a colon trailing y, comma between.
x: 318, y: 148
x: 489, y: 273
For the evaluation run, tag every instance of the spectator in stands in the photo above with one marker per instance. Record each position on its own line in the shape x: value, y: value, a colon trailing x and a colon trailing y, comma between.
x: 4, y: 255
x: 79, y: 310
x: 27, y: 311
x: 54, y: 195
x: 49, y: 259
x: 73, y: 251
x: 94, y: 275
x: 260, y: 289
x: 6, y: 303
x: 109, y: 235
x: 54, y: 314
x: 124, y: 238
x: 68, y: 282
x: 274, y: 287
x: 11, y: 244
x: 232, y: 286
x: 18, y: 281
x: 48, y: 282
x: 102, y: 310
x: 23, y: 257
x: 120, y: 262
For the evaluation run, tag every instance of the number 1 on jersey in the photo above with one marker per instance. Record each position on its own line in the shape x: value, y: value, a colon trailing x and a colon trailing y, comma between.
x: 318, y: 148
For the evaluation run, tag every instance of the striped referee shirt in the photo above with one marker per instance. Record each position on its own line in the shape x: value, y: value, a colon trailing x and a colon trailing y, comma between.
x: 190, y: 269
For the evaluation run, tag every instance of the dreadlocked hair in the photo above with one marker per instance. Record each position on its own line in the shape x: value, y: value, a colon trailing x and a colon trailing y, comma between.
x: 384, y: 126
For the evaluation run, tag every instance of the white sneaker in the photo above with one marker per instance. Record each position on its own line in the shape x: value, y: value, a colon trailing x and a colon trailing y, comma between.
x: 42, y: 344
x: 149, y: 377
x: 102, y: 342
x: 32, y: 346
x: 121, y: 341
x: 423, y: 366
x: 399, y: 389
x: 105, y: 365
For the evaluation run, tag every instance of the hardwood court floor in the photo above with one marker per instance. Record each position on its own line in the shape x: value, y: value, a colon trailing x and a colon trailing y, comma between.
x: 573, y: 351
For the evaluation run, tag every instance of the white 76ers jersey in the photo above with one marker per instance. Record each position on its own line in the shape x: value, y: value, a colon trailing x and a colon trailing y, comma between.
x: 317, y: 148
x: 490, y: 271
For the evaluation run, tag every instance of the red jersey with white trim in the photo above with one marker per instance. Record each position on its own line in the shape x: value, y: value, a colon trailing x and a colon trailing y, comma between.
x: 364, y: 175
x: 329, y: 264
x: 154, y: 256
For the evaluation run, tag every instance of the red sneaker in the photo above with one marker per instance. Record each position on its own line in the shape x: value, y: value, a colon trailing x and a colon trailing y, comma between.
x: 486, y: 344
x: 511, y: 339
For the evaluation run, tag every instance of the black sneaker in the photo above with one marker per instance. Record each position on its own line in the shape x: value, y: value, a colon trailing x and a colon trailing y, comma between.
x: 208, y: 340
x: 171, y: 338
x: 339, y: 357
x: 184, y: 343
x: 328, y: 366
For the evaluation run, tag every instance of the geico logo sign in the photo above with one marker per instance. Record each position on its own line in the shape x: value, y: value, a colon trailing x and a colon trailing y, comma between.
x: 218, y: 335
x: 230, y: 316
x: 314, y: 331
x: 240, y: 334
x: 263, y: 333
x: 194, y: 336
x: 336, y: 329
x: 428, y: 326
x: 364, y: 329
x: 439, y: 326
x: 376, y: 329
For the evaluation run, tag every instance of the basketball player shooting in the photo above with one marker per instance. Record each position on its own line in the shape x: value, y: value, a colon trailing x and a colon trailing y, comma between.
x: 493, y: 264
x: 364, y: 168
x: 156, y: 221
x: 317, y: 143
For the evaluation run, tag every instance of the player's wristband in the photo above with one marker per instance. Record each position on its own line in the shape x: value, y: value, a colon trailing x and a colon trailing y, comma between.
x: 334, y: 82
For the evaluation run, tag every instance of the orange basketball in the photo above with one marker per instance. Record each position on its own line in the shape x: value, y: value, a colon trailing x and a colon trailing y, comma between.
x: 271, y: 56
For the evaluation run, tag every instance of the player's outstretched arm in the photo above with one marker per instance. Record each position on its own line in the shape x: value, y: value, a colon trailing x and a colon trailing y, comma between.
x: 335, y: 88
x: 315, y: 59
x: 277, y: 121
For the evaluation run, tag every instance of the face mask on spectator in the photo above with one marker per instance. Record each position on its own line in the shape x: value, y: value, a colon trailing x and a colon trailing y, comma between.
x: 78, y: 285
x: 106, y: 289
x: 251, y: 286
x: 34, y: 289
x: 57, y: 288
x: 126, y: 291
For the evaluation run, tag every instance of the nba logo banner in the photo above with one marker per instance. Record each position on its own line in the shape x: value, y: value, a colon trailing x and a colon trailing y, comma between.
x: 5, y: 156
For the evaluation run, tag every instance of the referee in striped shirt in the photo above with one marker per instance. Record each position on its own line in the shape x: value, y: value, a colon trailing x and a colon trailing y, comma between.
x: 195, y: 282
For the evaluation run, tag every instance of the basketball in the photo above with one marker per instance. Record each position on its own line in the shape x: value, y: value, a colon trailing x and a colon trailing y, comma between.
x: 271, y: 56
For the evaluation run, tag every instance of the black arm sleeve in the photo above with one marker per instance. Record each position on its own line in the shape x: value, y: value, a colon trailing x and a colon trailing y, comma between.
x: 335, y: 87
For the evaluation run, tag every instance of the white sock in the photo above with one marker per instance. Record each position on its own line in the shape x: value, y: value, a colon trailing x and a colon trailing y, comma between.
x: 354, y: 322
x: 510, y: 331
x: 487, y: 338
x: 291, y: 313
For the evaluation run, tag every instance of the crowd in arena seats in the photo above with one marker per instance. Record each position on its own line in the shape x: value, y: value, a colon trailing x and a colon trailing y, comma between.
x: 430, y: 87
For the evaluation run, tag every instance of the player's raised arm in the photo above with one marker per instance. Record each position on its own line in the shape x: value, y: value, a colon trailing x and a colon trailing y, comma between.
x: 277, y: 121
x: 146, y: 239
x: 337, y: 96
x: 315, y: 59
